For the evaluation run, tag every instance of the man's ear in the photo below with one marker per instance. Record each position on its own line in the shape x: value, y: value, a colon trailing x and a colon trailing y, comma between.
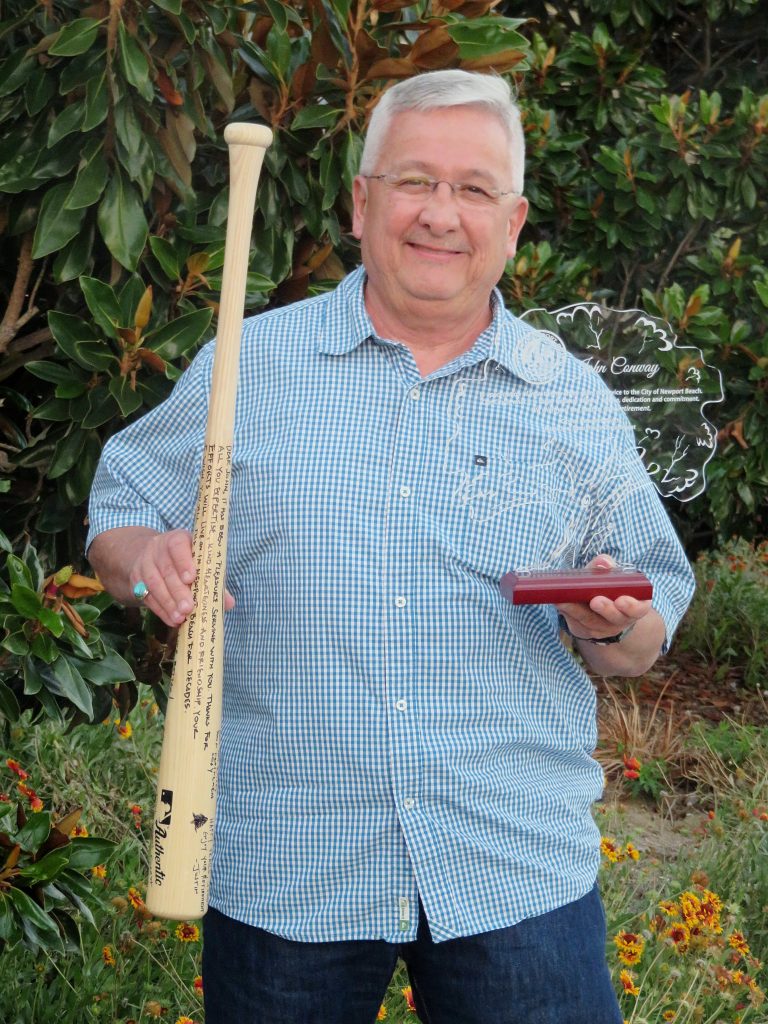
x: 359, y: 202
x: 516, y: 221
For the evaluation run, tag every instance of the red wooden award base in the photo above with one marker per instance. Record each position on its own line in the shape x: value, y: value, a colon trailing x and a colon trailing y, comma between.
x: 574, y: 585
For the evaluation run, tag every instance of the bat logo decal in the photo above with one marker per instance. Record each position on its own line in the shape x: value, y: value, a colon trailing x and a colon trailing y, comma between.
x: 166, y: 799
x: 198, y: 820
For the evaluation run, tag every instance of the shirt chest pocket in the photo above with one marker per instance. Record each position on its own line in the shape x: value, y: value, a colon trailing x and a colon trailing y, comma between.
x: 510, y: 513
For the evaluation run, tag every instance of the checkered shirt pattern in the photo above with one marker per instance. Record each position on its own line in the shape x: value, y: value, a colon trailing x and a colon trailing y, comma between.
x: 393, y: 727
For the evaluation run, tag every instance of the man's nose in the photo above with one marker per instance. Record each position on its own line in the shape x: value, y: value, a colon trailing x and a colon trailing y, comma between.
x: 440, y: 210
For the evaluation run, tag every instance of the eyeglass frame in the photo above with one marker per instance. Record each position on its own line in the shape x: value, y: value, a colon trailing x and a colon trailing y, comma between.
x: 494, y: 194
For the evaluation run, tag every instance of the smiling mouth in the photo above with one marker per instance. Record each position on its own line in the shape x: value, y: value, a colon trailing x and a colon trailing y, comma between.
x: 436, y: 250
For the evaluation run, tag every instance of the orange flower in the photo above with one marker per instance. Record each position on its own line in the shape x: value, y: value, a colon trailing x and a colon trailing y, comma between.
x: 185, y: 1020
x: 124, y: 729
x: 630, y: 947
x: 632, y: 851
x: 187, y: 932
x: 628, y: 984
x: 680, y: 935
x: 17, y: 769
x: 408, y: 996
x: 669, y: 908
x: 79, y: 832
x: 35, y: 803
x: 668, y: 1015
x: 155, y: 1009
x: 197, y: 984
x: 610, y: 849
x: 99, y: 871
x: 135, y: 898
x: 382, y: 1014
x: 737, y: 941
x: 108, y: 956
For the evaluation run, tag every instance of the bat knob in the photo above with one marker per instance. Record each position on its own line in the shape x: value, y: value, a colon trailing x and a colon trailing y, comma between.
x: 241, y: 133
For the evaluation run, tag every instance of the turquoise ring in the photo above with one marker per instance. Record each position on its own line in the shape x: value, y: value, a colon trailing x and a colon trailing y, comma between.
x: 140, y: 591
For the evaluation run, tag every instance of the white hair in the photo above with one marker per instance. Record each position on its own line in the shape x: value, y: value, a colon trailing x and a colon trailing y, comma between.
x: 434, y: 90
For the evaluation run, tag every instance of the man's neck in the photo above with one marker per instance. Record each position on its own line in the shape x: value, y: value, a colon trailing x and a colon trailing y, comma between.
x: 434, y: 337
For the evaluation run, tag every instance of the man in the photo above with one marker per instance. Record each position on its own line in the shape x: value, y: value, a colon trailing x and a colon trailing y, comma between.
x: 406, y: 760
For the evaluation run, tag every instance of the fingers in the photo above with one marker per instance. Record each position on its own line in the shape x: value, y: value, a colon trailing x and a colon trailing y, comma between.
x: 603, y: 617
x: 167, y: 566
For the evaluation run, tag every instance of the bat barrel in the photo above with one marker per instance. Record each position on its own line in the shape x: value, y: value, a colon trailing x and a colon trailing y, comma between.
x: 181, y: 845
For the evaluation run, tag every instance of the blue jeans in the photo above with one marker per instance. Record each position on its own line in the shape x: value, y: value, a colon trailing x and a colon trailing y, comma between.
x: 546, y: 970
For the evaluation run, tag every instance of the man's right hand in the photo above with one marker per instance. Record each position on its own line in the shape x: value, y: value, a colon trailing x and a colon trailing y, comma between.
x: 163, y: 561
x: 167, y: 567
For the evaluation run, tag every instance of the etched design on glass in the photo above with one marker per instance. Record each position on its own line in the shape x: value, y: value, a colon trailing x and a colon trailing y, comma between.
x: 663, y: 387
x: 578, y: 511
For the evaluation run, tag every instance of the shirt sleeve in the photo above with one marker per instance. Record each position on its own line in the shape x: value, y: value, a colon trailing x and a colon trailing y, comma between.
x: 629, y: 522
x: 148, y: 474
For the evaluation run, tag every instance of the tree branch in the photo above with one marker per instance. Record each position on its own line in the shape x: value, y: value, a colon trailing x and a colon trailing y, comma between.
x: 13, y: 319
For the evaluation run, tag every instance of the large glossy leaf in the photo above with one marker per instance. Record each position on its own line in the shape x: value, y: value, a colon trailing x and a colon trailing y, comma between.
x: 180, y: 335
x: 134, y: 63
x: 68, y: 121
x: 91, y: 177
x: 57, y: 225
x: 106, y: 671
x: 125, y: 396
x: 39, y: 929
x: 121, y: 221
x: 103, y: 304
x: 77, y: 340
x: 48, y: 867
x: 76, y: 37
x: 77, y: 256
x: 88, y: 851
x: 34, y: 833
x: 63, y: 680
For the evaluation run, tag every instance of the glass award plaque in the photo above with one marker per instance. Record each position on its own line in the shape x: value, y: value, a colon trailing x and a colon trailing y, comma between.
x: 663, y: 387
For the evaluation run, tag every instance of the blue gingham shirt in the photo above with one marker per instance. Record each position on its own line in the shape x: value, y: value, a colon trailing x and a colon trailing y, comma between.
x: 393, y: 727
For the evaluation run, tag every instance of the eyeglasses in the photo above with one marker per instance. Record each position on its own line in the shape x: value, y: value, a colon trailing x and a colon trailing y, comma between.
x: 419, y: 186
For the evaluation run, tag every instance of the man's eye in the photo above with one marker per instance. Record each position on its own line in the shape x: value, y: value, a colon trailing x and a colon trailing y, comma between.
x: 475, y: 192
x: 414, y: 184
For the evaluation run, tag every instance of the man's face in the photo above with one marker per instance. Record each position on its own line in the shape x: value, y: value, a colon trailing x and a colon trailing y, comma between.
x: 435, y: 248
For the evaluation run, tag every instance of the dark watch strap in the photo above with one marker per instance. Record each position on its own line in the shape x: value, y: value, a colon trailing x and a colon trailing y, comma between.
x: 602, y: 641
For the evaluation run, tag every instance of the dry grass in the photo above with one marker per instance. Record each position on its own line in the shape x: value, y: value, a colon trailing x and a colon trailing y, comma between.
x: 628, y: 727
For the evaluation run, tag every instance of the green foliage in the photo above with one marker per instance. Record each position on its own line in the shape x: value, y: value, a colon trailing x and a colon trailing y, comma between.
x: 43, y: 889
x: 53, y: 657
x: 727, y: 621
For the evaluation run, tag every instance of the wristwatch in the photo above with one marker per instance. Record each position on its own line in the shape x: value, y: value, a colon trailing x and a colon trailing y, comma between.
x: 602, y: 641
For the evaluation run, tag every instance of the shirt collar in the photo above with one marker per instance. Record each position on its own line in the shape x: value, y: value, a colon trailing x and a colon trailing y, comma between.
x: 348, y: 324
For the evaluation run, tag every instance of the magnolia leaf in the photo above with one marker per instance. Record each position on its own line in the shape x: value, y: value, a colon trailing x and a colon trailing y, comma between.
x: 317, y: 115
x: 181, y: 334
x: 39, y: 929
x: 56, y: 224
x: 103, y: 304
x: 91, y: 177
x: 124, y: 395
x: 25, y: 600
x: 134, y: 63
x: 76, y: 37
x: 121, y: 221
x: 76, y: 339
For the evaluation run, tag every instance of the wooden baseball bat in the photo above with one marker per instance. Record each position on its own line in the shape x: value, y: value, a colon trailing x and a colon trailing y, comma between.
x: 182, y: 835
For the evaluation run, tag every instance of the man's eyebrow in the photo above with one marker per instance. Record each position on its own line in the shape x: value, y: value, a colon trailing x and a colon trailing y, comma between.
x: 425, y: 167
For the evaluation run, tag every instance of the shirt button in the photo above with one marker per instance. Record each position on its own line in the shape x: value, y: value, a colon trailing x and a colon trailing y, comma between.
x: 405, y: 492
x: 408, y: 803
x: 415, y: 394
x: 400, y: 601
x: 401, y: 704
